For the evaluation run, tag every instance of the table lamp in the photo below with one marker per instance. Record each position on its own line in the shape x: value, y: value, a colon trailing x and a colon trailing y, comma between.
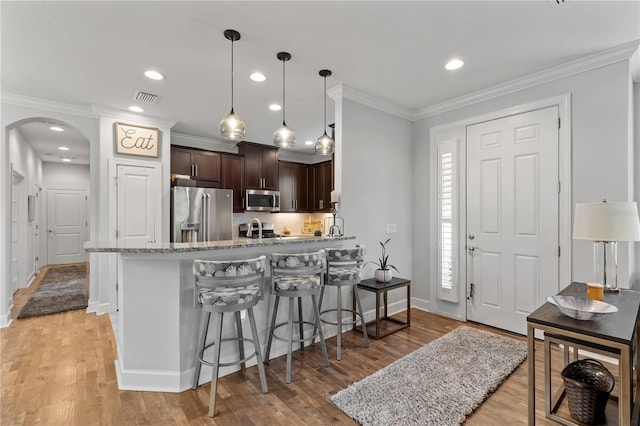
x: 605, y: 224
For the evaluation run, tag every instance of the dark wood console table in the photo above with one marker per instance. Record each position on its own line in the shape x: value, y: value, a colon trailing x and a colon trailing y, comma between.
x: 613, y: 335
x: 384, y: 325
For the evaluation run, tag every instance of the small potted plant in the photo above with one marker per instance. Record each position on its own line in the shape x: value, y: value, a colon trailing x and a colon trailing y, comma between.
x: 383, y: 273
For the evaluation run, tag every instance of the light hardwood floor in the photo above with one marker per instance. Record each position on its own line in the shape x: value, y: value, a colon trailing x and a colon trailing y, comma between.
x: 59, y: 370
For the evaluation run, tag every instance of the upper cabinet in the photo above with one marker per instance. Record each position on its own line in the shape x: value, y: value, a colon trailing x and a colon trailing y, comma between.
x: 232, y: 177
x: 196, y: 163
x: 321, y: 187
x: 294, y: 187
x: 260, y: 165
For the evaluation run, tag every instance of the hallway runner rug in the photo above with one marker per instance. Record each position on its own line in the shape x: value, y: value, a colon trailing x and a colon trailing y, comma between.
x: 63, y: 288
x: 440, y: 384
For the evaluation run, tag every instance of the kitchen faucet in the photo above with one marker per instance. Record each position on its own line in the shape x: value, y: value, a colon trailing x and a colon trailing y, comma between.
x: 250, y: 228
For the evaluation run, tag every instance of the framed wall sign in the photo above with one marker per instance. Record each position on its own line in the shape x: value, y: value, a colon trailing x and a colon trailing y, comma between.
x: 132, y: 139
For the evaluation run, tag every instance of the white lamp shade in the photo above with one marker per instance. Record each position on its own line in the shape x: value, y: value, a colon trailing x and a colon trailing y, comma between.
x: 606, y: 222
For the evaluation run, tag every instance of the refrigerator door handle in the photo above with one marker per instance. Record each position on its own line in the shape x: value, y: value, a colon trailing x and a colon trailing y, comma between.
x: 205, y: 216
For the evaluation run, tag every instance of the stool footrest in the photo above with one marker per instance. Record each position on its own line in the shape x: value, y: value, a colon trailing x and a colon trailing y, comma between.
x: 227, y: 364
x: 347, y: 322
x: 300, y: 340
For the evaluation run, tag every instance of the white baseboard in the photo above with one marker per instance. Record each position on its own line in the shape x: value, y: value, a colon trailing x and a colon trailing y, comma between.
x: 93, y: 307
x: 5, y: 320
x: 103, y: 308
x: 423, y: 305
x: 148, y: 380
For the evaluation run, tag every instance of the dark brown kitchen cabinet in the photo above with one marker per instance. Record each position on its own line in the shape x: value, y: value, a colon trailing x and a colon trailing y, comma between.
x: 321, y: 187
x: 232, y: 177
x: 260, y: 165
x: 294, y: 186
x: 197, y: 163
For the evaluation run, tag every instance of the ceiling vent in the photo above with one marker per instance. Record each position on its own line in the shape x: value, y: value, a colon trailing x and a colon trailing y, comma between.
x: 146, y: 98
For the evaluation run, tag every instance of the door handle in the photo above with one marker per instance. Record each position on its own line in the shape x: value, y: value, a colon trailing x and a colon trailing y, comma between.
x: 472, y: 249
x: 51, y: 230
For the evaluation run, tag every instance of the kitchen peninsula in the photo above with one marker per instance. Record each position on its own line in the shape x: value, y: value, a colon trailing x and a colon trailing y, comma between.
x: 156, y: 322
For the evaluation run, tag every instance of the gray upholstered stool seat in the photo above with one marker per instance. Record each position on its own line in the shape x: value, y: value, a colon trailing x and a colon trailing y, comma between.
x: 296, y: 276
x: 227, y: 287
x: 344, y: 270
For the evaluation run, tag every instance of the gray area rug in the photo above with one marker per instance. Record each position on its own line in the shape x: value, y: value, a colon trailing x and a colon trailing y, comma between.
x: 440, y: 384
x: 63, y: 288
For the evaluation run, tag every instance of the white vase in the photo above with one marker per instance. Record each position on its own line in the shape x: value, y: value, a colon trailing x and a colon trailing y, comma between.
x: 383, y: 276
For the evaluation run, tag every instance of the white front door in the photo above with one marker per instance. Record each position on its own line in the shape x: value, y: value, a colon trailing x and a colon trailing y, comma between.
x: 512, y: 217
x: 66, y: 225
x: 136, y: 198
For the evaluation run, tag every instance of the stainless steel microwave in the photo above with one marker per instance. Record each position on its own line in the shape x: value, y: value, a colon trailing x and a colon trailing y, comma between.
x: 260, y: 200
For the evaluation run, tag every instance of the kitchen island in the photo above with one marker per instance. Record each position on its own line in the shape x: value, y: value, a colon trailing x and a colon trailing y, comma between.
x: 156, y: 322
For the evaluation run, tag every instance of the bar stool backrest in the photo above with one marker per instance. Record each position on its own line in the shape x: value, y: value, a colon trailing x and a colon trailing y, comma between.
x: 346, y: 256
x: 298, y: 264
x: 228, y: 273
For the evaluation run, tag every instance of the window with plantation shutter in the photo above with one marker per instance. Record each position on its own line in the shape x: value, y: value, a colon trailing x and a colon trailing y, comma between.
x: 447, y: 222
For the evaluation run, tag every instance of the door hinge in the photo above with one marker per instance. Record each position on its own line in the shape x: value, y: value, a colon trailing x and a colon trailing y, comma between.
x: 37, y: 258
x: 559, y: 187
x: 115, y: 180
x: 559, y: 251
x: 116, y: 233
x: 558, y: 122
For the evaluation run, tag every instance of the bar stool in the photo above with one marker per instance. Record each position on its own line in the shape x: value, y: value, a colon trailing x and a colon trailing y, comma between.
x: 344, y: 270
x: 296, y: 276
x: 224, y: 287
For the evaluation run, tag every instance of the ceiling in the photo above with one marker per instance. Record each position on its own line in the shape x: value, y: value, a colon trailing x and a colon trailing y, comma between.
x: 94, y: 53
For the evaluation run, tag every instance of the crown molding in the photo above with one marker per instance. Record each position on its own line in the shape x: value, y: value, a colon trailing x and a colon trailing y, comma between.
x: 345, y: 91
x: 105, y: 111
x: 203, y: 143
x: 45, y: 104
x: 606, y: 57
x: 634, y: 64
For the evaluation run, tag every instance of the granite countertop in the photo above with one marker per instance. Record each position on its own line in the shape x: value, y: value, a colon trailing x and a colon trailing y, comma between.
x: 114, y: 247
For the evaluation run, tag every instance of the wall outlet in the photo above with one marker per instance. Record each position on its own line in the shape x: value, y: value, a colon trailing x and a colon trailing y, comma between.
x: 392, y: 228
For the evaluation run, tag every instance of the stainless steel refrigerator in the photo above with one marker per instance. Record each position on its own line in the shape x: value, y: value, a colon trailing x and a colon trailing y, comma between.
x: 201, y: 214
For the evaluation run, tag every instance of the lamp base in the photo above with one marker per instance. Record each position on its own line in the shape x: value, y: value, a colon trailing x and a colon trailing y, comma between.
x: 611, y: 290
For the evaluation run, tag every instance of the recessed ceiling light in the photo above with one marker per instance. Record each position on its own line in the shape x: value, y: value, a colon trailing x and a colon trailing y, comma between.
x: 308, y: 143
x: 135, y: 109
x: 56, y: 128
x: 66, y: 160
x: 154, y: 75
x: 454, y: 64
x: 275, y: 107
x: 257, y: 76
x: 63, y: 148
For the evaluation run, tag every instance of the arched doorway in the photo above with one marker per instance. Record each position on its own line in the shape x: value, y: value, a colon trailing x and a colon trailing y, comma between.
x: 38, y: 160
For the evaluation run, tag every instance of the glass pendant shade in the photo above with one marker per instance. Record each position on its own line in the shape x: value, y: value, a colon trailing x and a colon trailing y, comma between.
x: 284, y: 137
x: 325, y: 145
x: 232, y: 128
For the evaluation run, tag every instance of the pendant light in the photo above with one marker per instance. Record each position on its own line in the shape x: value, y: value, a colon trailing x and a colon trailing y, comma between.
x: 284, y: 136
x: 231, y: 127
x: 325, y: 145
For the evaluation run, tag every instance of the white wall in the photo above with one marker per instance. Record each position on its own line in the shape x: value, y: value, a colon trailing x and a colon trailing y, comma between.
x: 26, y: 162
x: 600, y: 148
x: 375, y: 182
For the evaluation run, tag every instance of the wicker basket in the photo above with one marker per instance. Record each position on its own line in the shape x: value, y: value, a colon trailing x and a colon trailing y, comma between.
x: 588, y: 384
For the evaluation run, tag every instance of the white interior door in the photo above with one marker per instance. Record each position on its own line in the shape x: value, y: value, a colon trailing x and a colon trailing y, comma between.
x: 136, y: 216
x: 512, y: 217
x: 66, y: 225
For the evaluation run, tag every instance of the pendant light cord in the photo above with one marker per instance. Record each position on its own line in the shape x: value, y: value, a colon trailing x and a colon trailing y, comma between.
x: 284, y: 107
x: 325, y: 104
x: 232, y: 76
